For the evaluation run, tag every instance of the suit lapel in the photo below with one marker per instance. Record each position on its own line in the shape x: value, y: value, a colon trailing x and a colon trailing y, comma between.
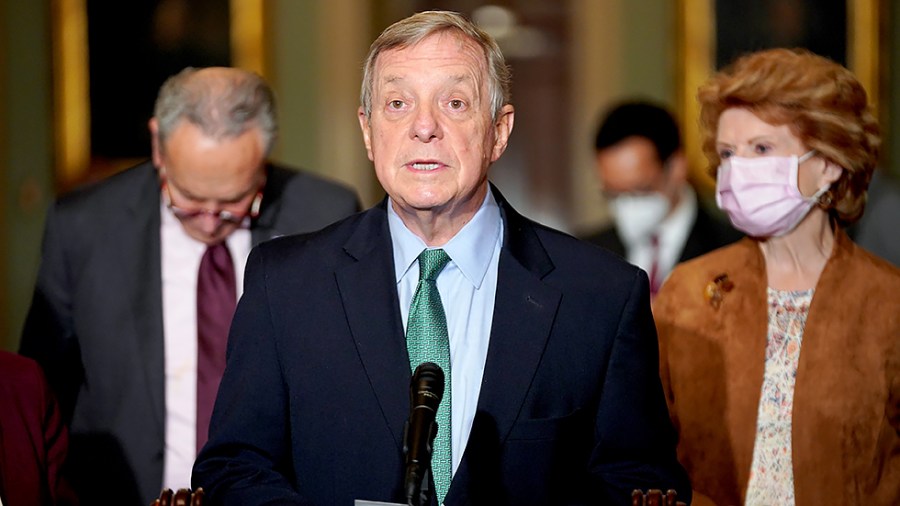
x: 523, y: 315
x: 705, y: 235
x: 260, y: 233
x: 524, y: 310
x: 142, y: 262
x: 695, y: 245
x: 369, y: 294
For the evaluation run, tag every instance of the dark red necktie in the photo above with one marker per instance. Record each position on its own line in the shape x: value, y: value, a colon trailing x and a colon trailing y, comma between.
x: 216, y: 299
x: 654, y: 265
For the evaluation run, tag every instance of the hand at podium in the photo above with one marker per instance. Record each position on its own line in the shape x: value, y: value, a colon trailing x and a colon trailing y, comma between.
x: 184, y: 497
x: 655, y: 497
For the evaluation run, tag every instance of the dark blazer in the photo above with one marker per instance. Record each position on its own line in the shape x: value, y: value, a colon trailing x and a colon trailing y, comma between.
x: 707, y: 234
x: 316, y: 389
x: 95, y: 322
x: 33, y: 438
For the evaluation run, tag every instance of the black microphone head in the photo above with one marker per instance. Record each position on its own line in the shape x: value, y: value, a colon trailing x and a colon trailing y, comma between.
x: 427, y: 385
x: 426, y: 389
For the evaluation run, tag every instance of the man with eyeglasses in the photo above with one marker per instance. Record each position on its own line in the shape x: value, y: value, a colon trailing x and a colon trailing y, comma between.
x: 140, y: 275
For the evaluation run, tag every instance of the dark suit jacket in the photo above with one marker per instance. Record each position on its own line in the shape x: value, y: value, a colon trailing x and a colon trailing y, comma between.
x: 315, y: 395
x: 707, y: 234
x: 95, y: 322
x: 33, y: 438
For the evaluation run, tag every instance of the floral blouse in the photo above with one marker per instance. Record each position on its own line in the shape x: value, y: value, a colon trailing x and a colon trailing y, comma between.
x: 772, y: 473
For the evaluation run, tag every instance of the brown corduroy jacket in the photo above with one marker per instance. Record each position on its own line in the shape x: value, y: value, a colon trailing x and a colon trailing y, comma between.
x: 846, y: 413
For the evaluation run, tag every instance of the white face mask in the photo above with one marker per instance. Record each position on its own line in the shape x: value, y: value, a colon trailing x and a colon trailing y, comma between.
x: 638, y: 216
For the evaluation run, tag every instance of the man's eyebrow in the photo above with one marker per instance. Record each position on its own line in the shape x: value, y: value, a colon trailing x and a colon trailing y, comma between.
x: 461, y: 78
x: 456, y: 78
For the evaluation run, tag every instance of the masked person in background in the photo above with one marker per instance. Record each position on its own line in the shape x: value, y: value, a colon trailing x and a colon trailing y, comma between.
x: 642, y: 169
x: 780, y: 353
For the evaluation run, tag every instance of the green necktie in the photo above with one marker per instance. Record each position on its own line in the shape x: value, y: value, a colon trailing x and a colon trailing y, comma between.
x: 427, y: 340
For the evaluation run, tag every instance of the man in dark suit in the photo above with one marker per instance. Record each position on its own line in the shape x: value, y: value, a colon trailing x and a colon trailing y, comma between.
x: 552, y: 394
x: 657, y: 218
x: 121, y: 318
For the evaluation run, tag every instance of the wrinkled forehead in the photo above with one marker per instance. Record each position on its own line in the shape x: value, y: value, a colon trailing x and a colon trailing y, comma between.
x: 446, y: 48
x: 210, y: 167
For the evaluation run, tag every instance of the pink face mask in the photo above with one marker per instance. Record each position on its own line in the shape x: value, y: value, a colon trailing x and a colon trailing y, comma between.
x: 760, y: 195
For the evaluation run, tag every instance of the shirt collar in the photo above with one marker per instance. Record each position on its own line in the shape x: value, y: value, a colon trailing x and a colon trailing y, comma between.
x: 470, y: 249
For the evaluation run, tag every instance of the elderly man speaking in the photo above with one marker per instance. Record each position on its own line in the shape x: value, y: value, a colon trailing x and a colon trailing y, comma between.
x: 547, y: 344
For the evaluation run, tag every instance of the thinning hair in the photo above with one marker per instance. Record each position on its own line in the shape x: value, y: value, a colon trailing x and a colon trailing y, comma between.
x: 823, y: 104
x: 222, y: 102
x: 414, y: 29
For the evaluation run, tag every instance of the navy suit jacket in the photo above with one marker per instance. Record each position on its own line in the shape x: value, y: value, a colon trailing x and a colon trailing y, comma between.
x: 95, y: 322
x: 316, y: 389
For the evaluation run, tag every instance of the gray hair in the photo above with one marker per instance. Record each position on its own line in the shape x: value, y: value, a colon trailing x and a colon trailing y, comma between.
x: 414, y: 29
x: 222, y: 102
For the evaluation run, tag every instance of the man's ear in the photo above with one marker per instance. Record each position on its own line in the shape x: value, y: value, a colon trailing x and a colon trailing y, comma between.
x: 153, y: 125
x: 364, y: 126
x: 677, y: 166
x: 502, y: 129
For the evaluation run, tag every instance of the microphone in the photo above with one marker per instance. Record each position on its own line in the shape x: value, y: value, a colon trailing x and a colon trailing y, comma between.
x: 426, y: 389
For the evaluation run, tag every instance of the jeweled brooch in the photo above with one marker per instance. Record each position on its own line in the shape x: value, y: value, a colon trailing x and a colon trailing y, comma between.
x: 716, y: 289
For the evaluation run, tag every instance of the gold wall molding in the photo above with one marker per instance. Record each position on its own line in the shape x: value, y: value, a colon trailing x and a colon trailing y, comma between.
x: 71, y: 86
x: 697, y: 53
x: 71, y: 116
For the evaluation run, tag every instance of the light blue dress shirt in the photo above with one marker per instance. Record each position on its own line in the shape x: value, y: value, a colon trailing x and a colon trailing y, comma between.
x: 468, y: 285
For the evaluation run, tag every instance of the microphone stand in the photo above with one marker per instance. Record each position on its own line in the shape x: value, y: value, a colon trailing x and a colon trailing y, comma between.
x: 420, y: 495
x: 426, y: 388
x: 418, y: 475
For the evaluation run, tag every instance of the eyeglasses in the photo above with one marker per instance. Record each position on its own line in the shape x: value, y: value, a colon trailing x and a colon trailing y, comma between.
x: 222, y: 215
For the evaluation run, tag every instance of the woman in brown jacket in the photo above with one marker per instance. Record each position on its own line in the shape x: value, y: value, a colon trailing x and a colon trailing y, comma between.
x: 780, y: 354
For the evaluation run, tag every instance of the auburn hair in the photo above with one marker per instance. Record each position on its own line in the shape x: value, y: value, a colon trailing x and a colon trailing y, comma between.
x: 822, y: 103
